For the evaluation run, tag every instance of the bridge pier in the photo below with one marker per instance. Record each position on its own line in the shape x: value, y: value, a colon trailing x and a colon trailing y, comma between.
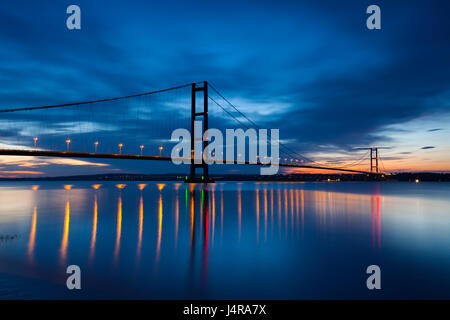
x: 373, y: 156
x: 204, y: 177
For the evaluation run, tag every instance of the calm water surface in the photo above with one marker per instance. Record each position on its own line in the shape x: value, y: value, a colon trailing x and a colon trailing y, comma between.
x: 226, y: 240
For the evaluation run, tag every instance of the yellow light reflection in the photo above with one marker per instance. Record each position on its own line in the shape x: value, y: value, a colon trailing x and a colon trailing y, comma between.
x: 120, y: 186
x: 177, y: 186
x: 31, y: 241
x: 279, y: 211
x: 285, y: 211
x: 378, y: 221
x: 141, y: 225
x: 257, y: 214
x: 65, y: 238
x: 160, y: 216
x: 302, y: 206
x: 68, y: 186
x: 94, y: 229
x: 177, y: 215
x: 291, y: 198
x: 141, y: 186
x: 35, y: 187
x: 297, y: 210
x: 96, y: 186
x: 265, y: 214
x: 119, y: 228
x: 271, y: 212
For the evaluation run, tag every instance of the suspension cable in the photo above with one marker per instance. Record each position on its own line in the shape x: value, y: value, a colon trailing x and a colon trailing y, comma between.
x: 252, y: 122
x: 240, y: 122
x: 356, y: 162
x: 94, y: 101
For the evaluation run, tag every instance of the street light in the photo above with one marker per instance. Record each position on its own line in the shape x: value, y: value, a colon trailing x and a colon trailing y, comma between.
x: 35, y: 139
x: 160, y: 150
x: 142, y: 148
x: 68, y: 141
x: 96, y: 146
x: 120, y: 147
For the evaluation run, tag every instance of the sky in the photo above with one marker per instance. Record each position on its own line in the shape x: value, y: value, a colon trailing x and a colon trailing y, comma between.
x: 311, y: 69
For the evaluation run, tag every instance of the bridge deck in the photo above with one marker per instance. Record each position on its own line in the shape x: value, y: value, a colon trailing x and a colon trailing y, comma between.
x: 64, y: 154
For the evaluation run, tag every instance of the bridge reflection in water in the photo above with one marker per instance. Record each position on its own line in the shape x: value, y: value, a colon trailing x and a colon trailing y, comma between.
x: 146, y: 231
x: 226, y: 240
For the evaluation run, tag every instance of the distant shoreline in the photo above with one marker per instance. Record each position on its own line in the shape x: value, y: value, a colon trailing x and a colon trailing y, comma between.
x: 419, y: 176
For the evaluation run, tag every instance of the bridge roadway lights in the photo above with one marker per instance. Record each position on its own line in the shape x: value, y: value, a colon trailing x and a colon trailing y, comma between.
x: 197, y: 179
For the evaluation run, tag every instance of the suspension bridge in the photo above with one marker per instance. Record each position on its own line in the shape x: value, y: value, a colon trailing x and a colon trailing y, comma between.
x: 127, y: 127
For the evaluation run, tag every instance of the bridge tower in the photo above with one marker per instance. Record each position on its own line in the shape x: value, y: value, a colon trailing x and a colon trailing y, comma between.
x: 374, y: 159
x: 198, y: 136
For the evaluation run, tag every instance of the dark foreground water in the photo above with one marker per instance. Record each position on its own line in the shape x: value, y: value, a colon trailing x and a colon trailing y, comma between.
x: 229, y: 240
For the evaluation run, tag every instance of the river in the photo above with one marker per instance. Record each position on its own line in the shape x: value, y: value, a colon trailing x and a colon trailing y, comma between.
x: 164, y: 240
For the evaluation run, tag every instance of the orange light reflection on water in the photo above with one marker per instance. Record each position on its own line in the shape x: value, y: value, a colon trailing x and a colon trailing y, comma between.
x: 118, y: 228
x: 65, y: 238
x: 32, y: 239
x: 257, y: 214
x: 141, y: 225
x: 265, y: 214
x: 158, y: 243
x: 94, y: 228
